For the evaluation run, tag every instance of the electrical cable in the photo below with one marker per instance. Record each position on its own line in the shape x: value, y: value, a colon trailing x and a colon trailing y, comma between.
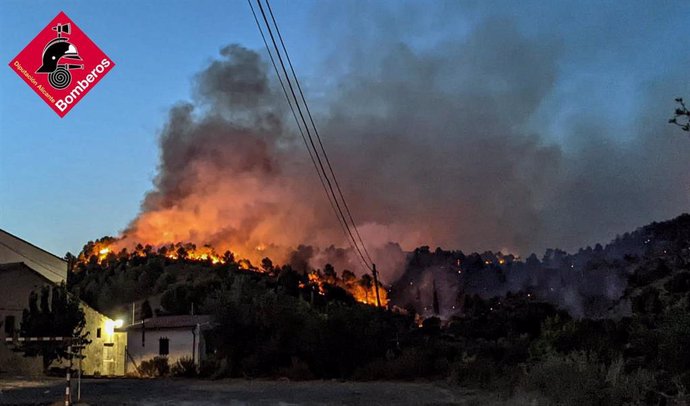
x: 316, y: 131
x: 311, y: 140
x: 299, y: 127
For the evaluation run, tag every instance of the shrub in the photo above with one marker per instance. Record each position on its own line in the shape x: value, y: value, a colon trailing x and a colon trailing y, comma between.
x: 479, y: 371
x: 298, y: 371
x: 155, y: 367
x: 410, y: 364
x: 679, y: 283
x: 674, y: 342
x: 567, y: 380
x: 580, y: 379
x: 214, y: 368
x: 185, y: 367
x: 647, y: 302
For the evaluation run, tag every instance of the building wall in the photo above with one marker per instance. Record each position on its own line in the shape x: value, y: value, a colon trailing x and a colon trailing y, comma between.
x: 180, y: 341
x: 15, y: 286
x: 14, y: 249
x: 102, y: 358
x: 105, y: 355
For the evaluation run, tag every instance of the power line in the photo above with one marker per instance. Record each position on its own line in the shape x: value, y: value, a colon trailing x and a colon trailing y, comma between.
x: 299, y: 127
x: 340, y: 215
x: 316, y: 131
x: 311, y: 140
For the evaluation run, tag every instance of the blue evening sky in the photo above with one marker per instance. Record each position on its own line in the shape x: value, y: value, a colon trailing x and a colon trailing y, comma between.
x: 65, y: 181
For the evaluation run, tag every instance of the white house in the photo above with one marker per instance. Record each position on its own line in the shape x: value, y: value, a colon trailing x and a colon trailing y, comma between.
x: 172, y: 337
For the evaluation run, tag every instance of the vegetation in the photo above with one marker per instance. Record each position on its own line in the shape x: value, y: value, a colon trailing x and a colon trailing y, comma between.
x: 180, y: 280
x: 184, y: 367
x: 492, y: 320
x: 156, y: 367
x: 55, y: 314
x: 681, y: 117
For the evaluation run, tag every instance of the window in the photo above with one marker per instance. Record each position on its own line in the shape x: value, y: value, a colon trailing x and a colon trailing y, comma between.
x: 163, y: 346
x: 9, y: 326
x: 98, y: 332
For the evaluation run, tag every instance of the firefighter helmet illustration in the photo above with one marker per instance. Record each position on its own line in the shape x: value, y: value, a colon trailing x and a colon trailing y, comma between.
x: 54, y: 55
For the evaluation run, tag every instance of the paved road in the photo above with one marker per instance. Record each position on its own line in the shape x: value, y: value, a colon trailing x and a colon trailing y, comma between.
x: 235, y: 392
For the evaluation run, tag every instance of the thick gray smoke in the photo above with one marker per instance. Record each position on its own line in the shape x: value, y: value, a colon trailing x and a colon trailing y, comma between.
x: 452, y: 144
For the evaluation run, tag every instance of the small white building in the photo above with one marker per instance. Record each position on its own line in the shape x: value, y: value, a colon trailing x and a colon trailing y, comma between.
x: 173, y: 337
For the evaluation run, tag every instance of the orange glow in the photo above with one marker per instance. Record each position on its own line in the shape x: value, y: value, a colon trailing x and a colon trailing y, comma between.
x: 362, y: 293
x: 362, y: 290
x: 102, y: 253
x: 204, y: 253
x: 101, y: 250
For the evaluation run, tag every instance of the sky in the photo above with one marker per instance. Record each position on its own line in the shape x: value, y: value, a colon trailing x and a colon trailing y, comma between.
x: 565, y: 103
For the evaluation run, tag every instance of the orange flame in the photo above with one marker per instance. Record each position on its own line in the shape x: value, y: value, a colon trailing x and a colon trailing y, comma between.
x: 362, y: 290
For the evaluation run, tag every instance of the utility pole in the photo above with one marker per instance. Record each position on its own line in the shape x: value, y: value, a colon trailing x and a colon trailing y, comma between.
x: 376, y: 284
x: 72, y: 344
x: 79, y: 380
x: 81, y: 347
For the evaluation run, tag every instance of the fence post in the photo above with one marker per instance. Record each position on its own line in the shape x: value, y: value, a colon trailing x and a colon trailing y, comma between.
x: 68, y: 384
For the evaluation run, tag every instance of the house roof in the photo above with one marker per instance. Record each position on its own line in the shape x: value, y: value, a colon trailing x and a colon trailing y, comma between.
x: 22, y: 266
x: 15, y: 249
x: 164, y: 322
x: 28, y: 243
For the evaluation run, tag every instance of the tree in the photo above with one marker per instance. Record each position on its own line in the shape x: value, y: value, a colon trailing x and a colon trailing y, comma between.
x: 146, y: 311
x: 329, y: 274
x: 182, y: 253
x: 58, y: 314
x: 437, y: 309
x: 267, y: 265
x: 682, y: 116
x: 366, y: 282
x: 289, y: 280
x: 349, y: 277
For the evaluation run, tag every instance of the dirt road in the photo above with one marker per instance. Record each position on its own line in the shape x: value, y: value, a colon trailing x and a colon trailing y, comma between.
x: 236, y: 392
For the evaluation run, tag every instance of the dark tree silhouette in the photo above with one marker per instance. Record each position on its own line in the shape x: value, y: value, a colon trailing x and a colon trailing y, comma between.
x: 58, y: 314
x: 146, y: 310
x: 366, y: 282
x: 682, y: 116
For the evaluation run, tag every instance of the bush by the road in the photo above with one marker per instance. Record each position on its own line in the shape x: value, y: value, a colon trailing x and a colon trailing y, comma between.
x: 155, y: 367
x: 184, y: 367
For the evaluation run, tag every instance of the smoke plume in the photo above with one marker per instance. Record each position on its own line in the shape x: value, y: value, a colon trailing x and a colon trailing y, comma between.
x: 451, y: 144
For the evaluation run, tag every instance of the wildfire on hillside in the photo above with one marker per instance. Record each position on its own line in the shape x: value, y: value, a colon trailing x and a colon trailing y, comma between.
x: 103, y: 249
x: 361, y: 289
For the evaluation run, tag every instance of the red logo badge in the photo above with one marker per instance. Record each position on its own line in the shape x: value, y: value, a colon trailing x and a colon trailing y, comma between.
x: 61, y: 64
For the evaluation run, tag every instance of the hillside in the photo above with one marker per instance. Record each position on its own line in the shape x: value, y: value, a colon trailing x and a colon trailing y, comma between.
x: 606, y: 325
x: 647, y: 264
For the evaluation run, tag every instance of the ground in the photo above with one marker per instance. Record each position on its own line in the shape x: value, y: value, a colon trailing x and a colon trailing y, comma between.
x: 49, y: 391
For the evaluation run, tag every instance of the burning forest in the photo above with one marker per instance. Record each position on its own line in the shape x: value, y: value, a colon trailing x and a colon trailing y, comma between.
x: 233, y: 172
x: 233, y: 179
x: 468, y: 139
x: 103, y: 255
